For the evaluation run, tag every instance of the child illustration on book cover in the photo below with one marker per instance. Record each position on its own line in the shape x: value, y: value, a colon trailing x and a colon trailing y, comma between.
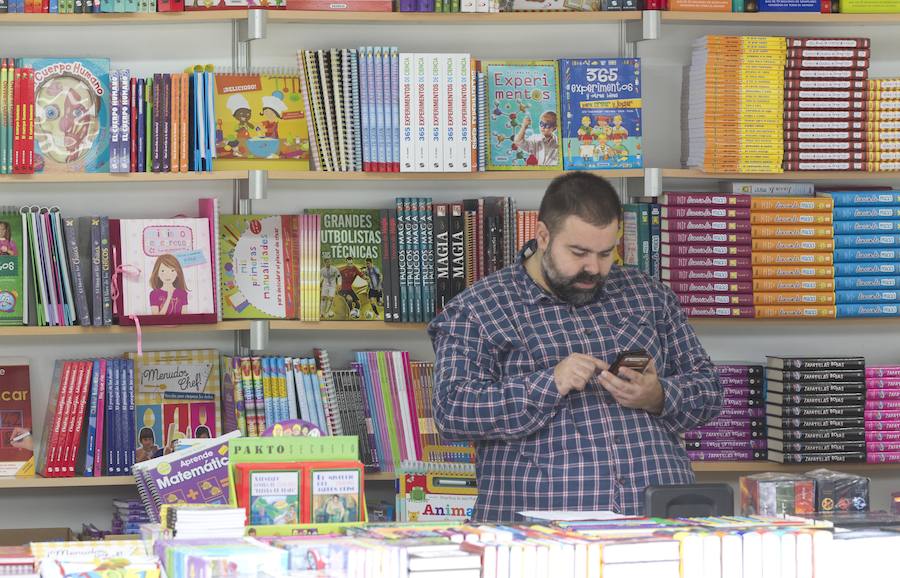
x: 260, y: 117
x: 71, y: 114
x: 7, y: 244
x: 168, y: 293
x: 523, y: 100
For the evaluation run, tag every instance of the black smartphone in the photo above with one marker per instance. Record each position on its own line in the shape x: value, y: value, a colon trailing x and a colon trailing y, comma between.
x: 637, y: 360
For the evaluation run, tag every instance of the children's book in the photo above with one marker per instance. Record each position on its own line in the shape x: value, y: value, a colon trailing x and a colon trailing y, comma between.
x: 16, y: 441
x: 71, y: 114
x: 436, y: 492
x: 601, y: 101
x: 335, y: 492
x: 259, y: 266
x: 523, y: 115
x: 168, y: 267
x: 351, y: 264
x: 260, y: 122
x: 12, y: 251
x: 176, y: 396
x: 272, y: 493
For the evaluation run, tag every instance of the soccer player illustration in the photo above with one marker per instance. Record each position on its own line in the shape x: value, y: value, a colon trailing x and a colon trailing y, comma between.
x: 373, y: 274
x: 349, y: 273
x: 330, y: 277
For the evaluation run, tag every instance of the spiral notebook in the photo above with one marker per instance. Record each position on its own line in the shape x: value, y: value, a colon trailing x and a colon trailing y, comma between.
x: 437, y: 491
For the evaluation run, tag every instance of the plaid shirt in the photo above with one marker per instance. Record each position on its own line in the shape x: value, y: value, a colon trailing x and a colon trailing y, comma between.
x: 496, y: 347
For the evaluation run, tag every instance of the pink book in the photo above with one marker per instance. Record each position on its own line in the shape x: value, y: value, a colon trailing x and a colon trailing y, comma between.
x: 399, y: 404
x: 706, y: 237
x: 81, y: 402
x: 99, y: 446
x: 704, y: 199
x: 697, y: 250
x: 888, y: 394
x: 413, y: 408
x: 706, y: 212
x: 876, y: 446
x: 879, y: 425
x: 56, y: 431
x: 710, y: 287
x: 883, y: 371
x: 883, y: 457
x: 880, y: 404
x: 705, y: 225
x: 706, y: 262
x: 876, y: 383
x: 883, y: 436
x: 706, y: 274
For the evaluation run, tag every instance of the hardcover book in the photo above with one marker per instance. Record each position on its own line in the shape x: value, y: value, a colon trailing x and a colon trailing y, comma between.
x: 16, y: 441
x: 601, y: 126
x: 12, y: 274
x: 523, y: 115
x: 71, y: 114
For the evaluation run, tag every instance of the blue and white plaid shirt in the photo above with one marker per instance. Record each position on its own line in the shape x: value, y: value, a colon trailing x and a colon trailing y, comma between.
x: 496, y: 347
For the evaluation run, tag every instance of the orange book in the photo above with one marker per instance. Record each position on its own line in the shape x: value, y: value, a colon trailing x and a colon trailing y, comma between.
x: 792, y: 232
x: 793, y: 245
x: 791, y: 258
x: 790, y: 218
x: 792, y: 285
x: 788, y: 271
x: 792, y: 298
x: 794, y: 311
x: 806, y: 204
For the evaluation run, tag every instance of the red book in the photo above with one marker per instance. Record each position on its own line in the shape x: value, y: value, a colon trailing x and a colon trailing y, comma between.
x: 28, y: 106
x: 824, y: 166
x: 807, y: 104
x: 825, y: 146
x: 714, y: 225
x: 825, y: 135
x: 725, y: 275
x: 710, y: 238
x: 828, y: 42
x: 815, y: 84
x: 714, y: 262
x: 705, y: 250
x: 710, y: 212
x: 821, y: 74
x: 798, y: 156
x: 824, y: 94
x: 824, y: 53
x: 715, y: 299
x: 710, y: 287
x: 827, y: 63
x: 704, y: 200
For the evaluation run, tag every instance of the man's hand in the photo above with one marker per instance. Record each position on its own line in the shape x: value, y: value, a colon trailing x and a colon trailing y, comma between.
x: 634, y: 390
x: 574, y: 372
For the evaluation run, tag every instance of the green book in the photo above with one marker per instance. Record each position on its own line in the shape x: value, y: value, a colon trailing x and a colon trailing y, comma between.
x: 870, y: 6
x: 637, y: 236
x: 11, y: 269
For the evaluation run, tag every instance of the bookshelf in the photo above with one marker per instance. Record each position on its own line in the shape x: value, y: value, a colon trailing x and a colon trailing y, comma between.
x: 834, y: 176
x: 775, y: 18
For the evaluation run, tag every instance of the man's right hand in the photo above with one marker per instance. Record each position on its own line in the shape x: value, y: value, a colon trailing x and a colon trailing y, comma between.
x: 574, y: 372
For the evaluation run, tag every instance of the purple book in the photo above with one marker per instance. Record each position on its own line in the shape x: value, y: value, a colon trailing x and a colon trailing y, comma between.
x: 706, y: 212
x: 742, y: 393
x: 726, y: 445
x: 885, y: 394
x: 728, y: 287
x: 718, y: 311
x: 706, y: 237
x: 707, y: 299
x: 704, y: 199
x: 883, y: 436
x: 741, y: 403
x: 724, y: 434
x: 882, y: 426
x: 707, y: 274
x: 696, y: 250
x: 407, y: 6
x: 883, y: 371
x: 741, y: 413
x: 747, y: 382
x: 199, y: 475
x: 735, y: 423
x: 738, y: 370
x: 879, y: 383
x: 704, y: 225
x: 727, y: 456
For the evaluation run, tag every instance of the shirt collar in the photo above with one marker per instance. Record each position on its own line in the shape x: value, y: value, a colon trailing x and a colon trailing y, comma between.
x: 537, y: 294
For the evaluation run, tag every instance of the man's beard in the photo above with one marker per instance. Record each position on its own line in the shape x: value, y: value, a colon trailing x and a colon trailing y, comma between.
x: 564, y: 287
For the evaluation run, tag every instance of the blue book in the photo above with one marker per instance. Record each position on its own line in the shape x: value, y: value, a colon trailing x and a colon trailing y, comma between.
x: 92, y: 421
x: 790, y: 5
x: 865, y: 282
x: 866, y: 268
x: 601, y: 113
x: 858, y: 213
x: 128, y: 365
x: 316, y: 387
x: 867, y: 296
x: 862, y: 198
x: 268, y: 399
x: 868, y: 254
x: 868, y: 310
x: 868, y: 241
x: 394, y: 137
x: 865, y: 227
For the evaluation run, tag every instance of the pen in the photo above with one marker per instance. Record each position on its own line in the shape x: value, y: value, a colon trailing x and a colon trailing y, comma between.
x: 20, y: 437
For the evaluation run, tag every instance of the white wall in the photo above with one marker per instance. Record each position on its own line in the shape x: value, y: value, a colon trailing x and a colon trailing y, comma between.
x: 147, y: 49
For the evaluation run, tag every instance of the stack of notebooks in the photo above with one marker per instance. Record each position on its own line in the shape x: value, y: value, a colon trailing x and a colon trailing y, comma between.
x: 128, y: 515
x: 815, y: 408
x: 825, y: 104
x: 882, y: 419
x: 792, y: 268
x: 204, y: 521
x: 734, y: 101
x: 706, y: 250
x: 866, y: 252
x: 743, y: 437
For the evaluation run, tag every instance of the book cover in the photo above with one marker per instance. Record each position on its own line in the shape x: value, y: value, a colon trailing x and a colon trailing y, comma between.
x: 351, y: 265
x: 71, y: 114
x: 169, y: 267
x: 601, y: 126
x: 523, y: 115
x: 176, y: 396
x: 12, y: 297
x: 260, y: 122
x: 251, y: 245
x: 16, y: 440
x: 198, y: 475
x: 274, y: 496
x: 335, y: 492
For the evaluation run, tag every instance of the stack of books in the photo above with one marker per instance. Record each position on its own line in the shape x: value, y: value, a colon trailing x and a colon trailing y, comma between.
x: 882, y: 116
x: 866, y: 252
x: 743, y: 437
x: 128, y: 515
x: 706, y: 249
x: 882, y: 418
x: 815, y: 408
x: 792, y: 269
x: 825, y: 104
x: 734, y: 102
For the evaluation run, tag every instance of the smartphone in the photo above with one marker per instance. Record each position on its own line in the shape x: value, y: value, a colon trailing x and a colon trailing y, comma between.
x: 637, y: 360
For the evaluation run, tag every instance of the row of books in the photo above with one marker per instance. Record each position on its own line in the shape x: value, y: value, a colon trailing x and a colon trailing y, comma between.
x: 814, y: 6
x: 134, y: 6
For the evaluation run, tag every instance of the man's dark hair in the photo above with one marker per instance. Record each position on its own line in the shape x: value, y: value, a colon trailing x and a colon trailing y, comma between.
x: 588, y: 196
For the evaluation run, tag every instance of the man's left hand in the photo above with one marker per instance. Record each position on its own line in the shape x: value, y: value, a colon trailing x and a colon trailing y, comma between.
x: 635, y: 390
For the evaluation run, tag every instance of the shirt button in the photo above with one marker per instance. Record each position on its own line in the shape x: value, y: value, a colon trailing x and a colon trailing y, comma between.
x: 589, y: 331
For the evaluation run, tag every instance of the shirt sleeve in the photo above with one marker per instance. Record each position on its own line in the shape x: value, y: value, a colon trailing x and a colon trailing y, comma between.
x: 473, y: 400
x: 691, y: 387
x: 528, y: 145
